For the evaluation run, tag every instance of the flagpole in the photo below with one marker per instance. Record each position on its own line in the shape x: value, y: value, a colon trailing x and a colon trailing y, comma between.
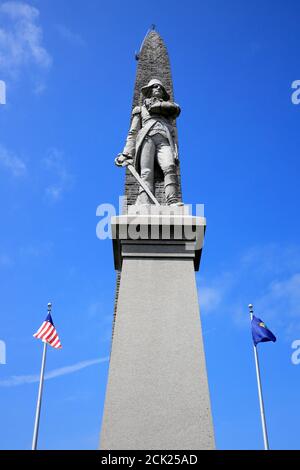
x: 39, y: 400
x: 260, y: 394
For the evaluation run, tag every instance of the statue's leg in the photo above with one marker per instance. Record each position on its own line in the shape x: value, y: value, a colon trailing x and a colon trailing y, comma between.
x: 147, y: 170
x: 166, y: 161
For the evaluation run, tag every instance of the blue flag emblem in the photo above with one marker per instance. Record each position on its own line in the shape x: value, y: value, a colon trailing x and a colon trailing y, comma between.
x: 260, y: 332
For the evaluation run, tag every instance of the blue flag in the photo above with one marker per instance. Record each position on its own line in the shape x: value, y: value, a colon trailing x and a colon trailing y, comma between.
x: 260, y: 332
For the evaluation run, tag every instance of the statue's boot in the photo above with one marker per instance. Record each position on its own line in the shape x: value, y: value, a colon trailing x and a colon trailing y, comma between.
x: 171, y: 186
x: 143, y: 198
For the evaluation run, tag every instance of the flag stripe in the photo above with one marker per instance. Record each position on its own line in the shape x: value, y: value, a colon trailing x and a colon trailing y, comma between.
x: 48, y: 334
x: 44, y: 331
x: 39, y: 330
x: 52, y: 336
x: 55, y: 342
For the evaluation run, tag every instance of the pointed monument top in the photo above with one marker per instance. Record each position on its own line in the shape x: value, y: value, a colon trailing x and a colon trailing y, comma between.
x: 151, y: 29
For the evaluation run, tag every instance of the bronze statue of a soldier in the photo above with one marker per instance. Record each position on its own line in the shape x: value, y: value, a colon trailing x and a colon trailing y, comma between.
x: 152, y: 138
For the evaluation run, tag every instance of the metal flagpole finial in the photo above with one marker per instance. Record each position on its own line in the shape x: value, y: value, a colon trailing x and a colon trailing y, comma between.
x: 250, y: 306
x: 49, y: 306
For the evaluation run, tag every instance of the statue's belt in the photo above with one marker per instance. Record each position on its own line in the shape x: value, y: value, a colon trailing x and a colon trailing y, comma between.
x: 147, y: 127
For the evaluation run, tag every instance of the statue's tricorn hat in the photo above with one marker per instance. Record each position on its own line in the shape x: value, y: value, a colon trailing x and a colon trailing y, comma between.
x: 146, y: 90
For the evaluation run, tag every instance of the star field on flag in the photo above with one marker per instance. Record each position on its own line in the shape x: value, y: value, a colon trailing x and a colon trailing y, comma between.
x: 48, y: 334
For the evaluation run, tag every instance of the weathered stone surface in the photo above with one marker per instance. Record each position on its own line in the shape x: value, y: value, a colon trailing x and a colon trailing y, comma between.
x: 157, y: 394
x: 153, y: 63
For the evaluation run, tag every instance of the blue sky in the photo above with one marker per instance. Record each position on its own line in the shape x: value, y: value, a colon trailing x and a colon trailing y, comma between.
x: 69, y: 70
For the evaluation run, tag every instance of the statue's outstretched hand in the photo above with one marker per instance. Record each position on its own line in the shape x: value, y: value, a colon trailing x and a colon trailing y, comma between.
x: 165, y: 108
x: 123, y: 160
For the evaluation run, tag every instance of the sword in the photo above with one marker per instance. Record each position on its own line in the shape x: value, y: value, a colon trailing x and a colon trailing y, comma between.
x: 127, y: 163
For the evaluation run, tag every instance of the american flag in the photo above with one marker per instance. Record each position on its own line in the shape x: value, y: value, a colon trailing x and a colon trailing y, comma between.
x: 48, y: 333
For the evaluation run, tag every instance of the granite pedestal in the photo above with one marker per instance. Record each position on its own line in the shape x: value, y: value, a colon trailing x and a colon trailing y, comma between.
x: 157, y: 394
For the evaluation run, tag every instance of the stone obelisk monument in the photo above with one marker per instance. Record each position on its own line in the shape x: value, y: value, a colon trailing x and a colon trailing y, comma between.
x: 157, y: 394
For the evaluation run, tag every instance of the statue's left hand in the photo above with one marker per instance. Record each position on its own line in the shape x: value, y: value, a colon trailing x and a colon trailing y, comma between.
x: 155, y: 108
x: 165, y: 108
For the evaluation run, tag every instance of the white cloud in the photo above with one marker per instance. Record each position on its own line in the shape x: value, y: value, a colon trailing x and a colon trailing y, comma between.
x: 71, y: 37
x: 63, y: 179
x: 21, y: 38
x: 267, y: 276
x: 210, y: 298
x: 11, y: 162
x: 282, y: 298
x: 211, y: 295
x: 16, y: 380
